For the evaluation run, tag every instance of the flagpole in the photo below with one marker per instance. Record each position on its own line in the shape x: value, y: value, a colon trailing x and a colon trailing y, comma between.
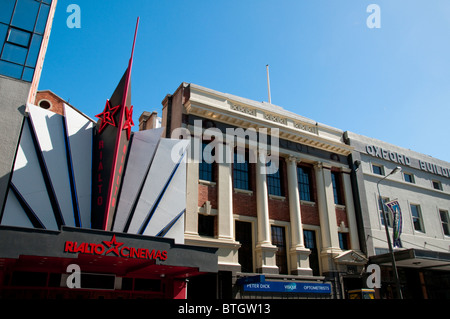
x: 268, y: 83
x: 391, y: 251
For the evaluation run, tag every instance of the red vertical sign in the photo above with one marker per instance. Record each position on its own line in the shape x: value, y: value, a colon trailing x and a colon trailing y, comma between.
x: 110, y: 150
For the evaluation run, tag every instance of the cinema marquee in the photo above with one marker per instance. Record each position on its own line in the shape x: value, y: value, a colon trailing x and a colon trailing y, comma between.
x: 115, y: 248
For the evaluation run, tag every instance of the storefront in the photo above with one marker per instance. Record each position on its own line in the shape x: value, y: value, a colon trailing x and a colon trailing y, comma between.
x: 278, y: 287
x: 80, y: 263
x: 423, y: 274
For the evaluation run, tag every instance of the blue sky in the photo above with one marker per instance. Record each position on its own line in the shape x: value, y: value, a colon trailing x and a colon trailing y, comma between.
x: 390, y: 83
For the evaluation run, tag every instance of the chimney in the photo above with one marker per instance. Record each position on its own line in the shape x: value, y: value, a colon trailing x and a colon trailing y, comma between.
x: 148, y: 121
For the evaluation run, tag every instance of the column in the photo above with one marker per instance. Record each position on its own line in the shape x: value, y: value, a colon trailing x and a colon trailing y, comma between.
x: 299, y: 254
x: 265, y: 251
x: 350, y: 208
x: 228, y: 247
x: 225, y: 197
x: 192, y: 173
x: 327, y: 215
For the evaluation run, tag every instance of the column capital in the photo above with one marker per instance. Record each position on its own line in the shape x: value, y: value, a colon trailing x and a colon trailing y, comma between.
x: 317, y: 165
x: 293, y: 159
x: 321, y: 165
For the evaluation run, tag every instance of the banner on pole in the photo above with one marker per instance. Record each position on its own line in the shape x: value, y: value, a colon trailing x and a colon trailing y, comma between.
x: 394, y: 207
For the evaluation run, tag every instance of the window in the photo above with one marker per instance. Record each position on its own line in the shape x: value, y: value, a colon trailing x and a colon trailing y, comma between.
x: 309, y: 237
x: 386, y: 209
x: 206, y: 167
x: 343, y: 241
x: 417, y: 217
x: 241, y: 172
x: 377, y: 169
x: 44, y: 104
x: 336, y: 180
x: 437, y: 185
x: 304, y: 183
x: 445, y: 222
x: 22, y: 25
x: 245, y: 252
x: 274, y: 182
x: 408, y: 177
x: 279, y: 240
x: 206, y: 225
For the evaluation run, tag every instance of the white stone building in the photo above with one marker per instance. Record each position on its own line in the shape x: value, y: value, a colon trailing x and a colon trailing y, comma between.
x: 422, y: 189
x: 297, y: 224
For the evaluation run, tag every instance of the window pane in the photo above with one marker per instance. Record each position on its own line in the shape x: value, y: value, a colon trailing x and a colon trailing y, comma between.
x: 25, y: 14
x: 3, y: 31
x: 241, y: 172
x: 14, y: 53
x: 42, y: 19
x: 274, y: 184
x: 377, y: 170
x: 206, y: 225
x: 6, y: 9
x: 278, y: 239
x: 245, y: 252
x: 10, y: 69
x: 444, y: 216
x: 28, y: 74
x: 343, y: 241
x: 19, y: 37
x: 437, y: 185
x: 274, y: 180
x: 206, y: 165
x: 336, y: 188
x: 34, y: 50
x: 304, y: 183
x: 415, y: 212
x: 309, y: 239
x: 445, y: 222
x: 408, y: 178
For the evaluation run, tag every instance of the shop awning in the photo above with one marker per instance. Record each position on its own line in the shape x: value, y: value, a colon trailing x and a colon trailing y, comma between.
x: 415, y: 258
x: 103, y: 252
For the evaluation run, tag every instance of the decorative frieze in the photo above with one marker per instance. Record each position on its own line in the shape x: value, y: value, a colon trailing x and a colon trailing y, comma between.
x: 307, y: 128
x: 275, y: 118
x: 243, y: 109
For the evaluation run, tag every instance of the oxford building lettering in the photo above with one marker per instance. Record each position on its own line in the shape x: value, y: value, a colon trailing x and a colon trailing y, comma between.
x: 377, y: 151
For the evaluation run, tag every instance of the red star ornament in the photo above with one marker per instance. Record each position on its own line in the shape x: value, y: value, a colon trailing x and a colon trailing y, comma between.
x: 113, y: 246
x: 128, y: 120
x: 107, y: 116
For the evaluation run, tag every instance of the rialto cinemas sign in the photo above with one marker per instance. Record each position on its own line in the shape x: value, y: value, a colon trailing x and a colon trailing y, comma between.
x: 113, y: 248
x: 395, y: 157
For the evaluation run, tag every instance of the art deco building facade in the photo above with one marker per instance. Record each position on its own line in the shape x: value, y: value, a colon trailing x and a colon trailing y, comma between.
x: 422, y: 190
x: 297, y: 222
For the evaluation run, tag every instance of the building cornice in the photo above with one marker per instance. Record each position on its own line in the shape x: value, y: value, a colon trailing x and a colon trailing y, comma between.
x: 245, y: 113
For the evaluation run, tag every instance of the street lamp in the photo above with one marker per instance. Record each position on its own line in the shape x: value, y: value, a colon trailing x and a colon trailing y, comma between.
x: 391, y: 251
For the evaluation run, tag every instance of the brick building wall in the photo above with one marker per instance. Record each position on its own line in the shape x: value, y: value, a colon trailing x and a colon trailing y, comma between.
x: 50, y: 101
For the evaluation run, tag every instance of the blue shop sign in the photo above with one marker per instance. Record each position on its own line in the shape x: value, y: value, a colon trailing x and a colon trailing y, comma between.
x: 278, y: 286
